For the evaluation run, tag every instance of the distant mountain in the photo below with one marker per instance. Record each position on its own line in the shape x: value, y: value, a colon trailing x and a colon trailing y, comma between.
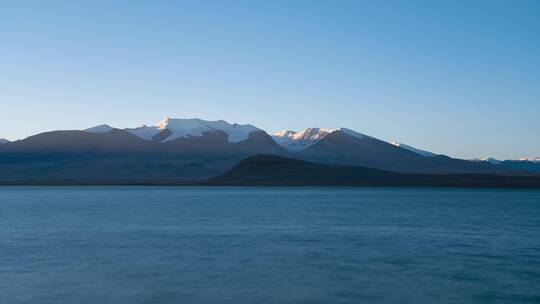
x: 297, y: 141
x: 100, y: 129
x: 3, y: 141
x: 535, y: 159
x: 180, y: 149
x: 531, y: 164
x: 170, y: 129
x: 270, y: 170
x: 348, y: 147
x: 492, y: 160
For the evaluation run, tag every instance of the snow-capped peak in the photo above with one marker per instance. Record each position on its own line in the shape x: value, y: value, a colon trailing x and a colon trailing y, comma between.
x: 496, y: 161
x: 312, y: 134
x: 413, y: 149
x: 490, y: 160
x: 531, y: 159
x: 284, y: 133
x: 163, y: 123
x: 194, y: 127
x: 296, y: 141
x: 100, y: 129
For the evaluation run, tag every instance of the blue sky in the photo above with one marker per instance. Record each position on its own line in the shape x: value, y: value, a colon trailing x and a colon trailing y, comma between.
x: 454, y: 77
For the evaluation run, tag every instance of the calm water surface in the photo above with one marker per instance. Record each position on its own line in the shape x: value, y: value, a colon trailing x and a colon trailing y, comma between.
x: 268, y: 245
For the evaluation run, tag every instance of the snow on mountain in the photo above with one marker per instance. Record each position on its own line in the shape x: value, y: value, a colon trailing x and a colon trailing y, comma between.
x: 184, y: 128
x: 413, y: 149
x: 491, y: 160
x: 284, y: 133
x: 3, y: 141
x: 530, y: 159
x: 496, y: 161
x: 196, y: 127
x: 311, y: 134
x: 100, y: 129
x: 296, y: 141
x: 145, y: 132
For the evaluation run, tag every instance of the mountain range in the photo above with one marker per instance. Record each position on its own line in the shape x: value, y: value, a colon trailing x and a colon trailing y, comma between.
x: 531, y: 164
x: 190, y: 150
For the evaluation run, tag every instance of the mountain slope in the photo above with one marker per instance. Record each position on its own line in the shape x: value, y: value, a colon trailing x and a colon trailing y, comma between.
x: 297, y: 141
x: 76, y: 142
x: 413, y: 149
x: 339, y: 147
x: 347, y: 147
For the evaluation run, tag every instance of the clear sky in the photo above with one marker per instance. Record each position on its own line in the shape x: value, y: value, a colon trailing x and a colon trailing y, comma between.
x: 455, y: 77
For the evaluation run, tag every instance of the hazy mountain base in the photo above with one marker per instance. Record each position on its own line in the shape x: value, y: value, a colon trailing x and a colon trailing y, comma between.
x: 269, y: 170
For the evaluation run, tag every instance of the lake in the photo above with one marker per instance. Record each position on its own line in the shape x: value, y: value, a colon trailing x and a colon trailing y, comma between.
x: 268, y: 245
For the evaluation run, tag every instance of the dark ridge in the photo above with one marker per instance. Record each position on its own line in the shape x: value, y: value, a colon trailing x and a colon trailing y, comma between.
x: 270, y: 170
